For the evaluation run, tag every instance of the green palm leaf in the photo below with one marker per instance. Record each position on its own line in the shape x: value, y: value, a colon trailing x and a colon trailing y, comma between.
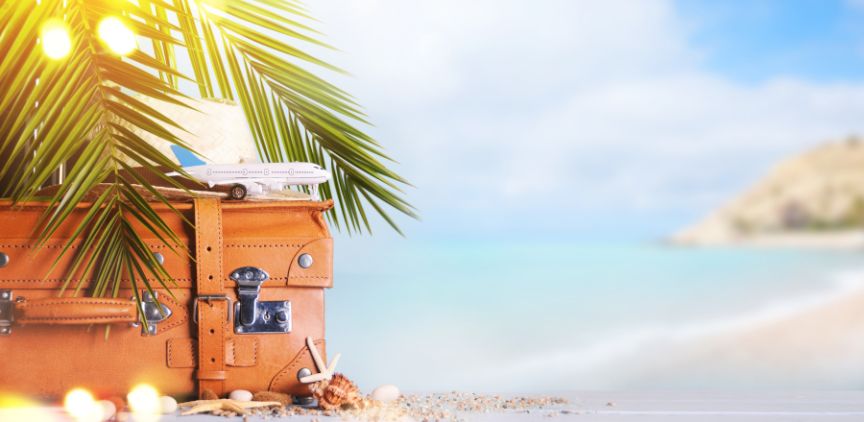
x: 292, y: 112
x: 83, y: 114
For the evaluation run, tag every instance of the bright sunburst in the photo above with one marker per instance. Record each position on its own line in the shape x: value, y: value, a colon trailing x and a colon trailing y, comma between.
x: 54, y: 37
x: 117, y: 36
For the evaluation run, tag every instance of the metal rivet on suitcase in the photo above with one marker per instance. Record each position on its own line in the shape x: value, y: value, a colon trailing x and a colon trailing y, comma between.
x: 281, y: 317
x: 303, y: 372
x: 159, y: 257
x: 305, y: 260
x: 4, y: 259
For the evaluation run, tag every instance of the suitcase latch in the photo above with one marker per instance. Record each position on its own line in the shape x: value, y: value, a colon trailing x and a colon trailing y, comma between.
x: 253, y: 316
x: 154, y: 313
x: 7, y: 312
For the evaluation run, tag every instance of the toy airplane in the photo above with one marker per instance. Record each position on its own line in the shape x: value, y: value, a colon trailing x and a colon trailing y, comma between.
x: 253, y: 178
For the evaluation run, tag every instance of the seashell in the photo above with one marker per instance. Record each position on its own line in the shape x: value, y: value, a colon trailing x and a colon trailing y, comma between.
x: 167, y: 405
x: 385, y: 393
x: 109, y: 409
x: 240, y: 395
x: 285, y: 399
x: 336, y: 393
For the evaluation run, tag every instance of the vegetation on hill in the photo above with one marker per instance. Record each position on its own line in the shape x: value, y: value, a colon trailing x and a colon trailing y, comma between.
x: 820, y: 190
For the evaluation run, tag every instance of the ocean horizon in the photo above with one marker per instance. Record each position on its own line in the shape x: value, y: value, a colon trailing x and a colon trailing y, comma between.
x: 542, y: 316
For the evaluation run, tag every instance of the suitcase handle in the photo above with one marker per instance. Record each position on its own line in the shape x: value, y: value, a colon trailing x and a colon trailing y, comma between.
x: 74, y: 311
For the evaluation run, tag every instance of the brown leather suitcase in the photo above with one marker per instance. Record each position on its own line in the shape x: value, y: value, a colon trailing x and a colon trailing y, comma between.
x: 242, y: 311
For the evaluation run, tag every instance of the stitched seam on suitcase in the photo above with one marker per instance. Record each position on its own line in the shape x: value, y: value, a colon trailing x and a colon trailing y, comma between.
x: 49, y: 246
x: 170, y: 354
x: 26, y: 305
x: 26, y: 320
x: 187, y: 360
x: 275, y: 245
x: 288, y: 369
x: 221, y: 253
x: 58, y: 280
x: 178, y: 321
x: 238, y: 360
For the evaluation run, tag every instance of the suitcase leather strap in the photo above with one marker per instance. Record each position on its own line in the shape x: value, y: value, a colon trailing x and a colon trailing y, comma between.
x: 212, y: 306
x: 74, y: 311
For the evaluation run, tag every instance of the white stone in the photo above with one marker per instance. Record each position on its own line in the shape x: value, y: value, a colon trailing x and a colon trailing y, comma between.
x: 385, y: 393
x: 167, y: 405
x: 108, y: 409
x: 240, y: 395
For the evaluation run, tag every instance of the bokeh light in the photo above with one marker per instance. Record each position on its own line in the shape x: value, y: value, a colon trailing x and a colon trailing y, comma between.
x: 117, y: 36
x: 55, y: 40
x: 14, y: 407
x: 144, y: 400
x: 81, y: 406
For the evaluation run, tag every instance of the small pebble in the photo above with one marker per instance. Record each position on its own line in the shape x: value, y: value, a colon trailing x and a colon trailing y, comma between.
x: 167, y: 405
x: 108, y: 409
x: 240, y: 395
x: 119, y: 404
x: 385, y: 393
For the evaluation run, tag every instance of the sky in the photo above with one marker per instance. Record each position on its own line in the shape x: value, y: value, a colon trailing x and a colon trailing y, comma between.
x: 544, y: 140
x: 593, y: 119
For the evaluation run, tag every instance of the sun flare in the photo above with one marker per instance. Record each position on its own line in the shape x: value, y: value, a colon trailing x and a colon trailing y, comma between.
x: 117, y: 36
x: 81, y: 406
x: 144, y: 400
x: 55, y: 40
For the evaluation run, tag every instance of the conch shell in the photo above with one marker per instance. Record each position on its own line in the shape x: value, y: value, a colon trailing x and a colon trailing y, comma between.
x: 337, y: 393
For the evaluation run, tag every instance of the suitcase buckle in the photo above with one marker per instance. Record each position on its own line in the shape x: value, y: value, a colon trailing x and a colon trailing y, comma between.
x: 208, y: 299
x: 252, y: 316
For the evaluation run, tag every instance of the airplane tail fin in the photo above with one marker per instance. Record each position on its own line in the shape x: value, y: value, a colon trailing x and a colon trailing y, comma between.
x: 186, y: 157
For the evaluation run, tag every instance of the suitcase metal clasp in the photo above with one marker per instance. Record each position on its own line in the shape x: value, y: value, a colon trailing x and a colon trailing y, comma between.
x: 252, y: 316
x: 153, y: 313
x: 7, y: 312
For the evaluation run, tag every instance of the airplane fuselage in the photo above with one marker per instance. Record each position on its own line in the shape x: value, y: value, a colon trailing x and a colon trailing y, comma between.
x: 260, y: 178
x: 271, y: 174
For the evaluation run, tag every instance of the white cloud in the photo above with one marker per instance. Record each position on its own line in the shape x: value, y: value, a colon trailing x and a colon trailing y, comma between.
x: 589, y: 105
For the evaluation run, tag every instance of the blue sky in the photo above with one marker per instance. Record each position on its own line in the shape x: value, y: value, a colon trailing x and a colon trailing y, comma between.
x: 543, y: 138
x: 606, y: 119
x: 757, y: 40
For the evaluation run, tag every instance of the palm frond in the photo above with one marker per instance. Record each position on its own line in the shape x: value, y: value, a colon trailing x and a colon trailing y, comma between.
x: 78, y: 113
x: 84, y: 114
x: 263, y: 68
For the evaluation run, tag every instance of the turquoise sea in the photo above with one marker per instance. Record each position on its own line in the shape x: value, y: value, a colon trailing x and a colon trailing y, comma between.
x: 541, y: 316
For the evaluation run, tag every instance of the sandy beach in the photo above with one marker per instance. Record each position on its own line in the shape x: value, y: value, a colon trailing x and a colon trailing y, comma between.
x: 812, y: 341
x: 644, y: 407
x: 817, y: 341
